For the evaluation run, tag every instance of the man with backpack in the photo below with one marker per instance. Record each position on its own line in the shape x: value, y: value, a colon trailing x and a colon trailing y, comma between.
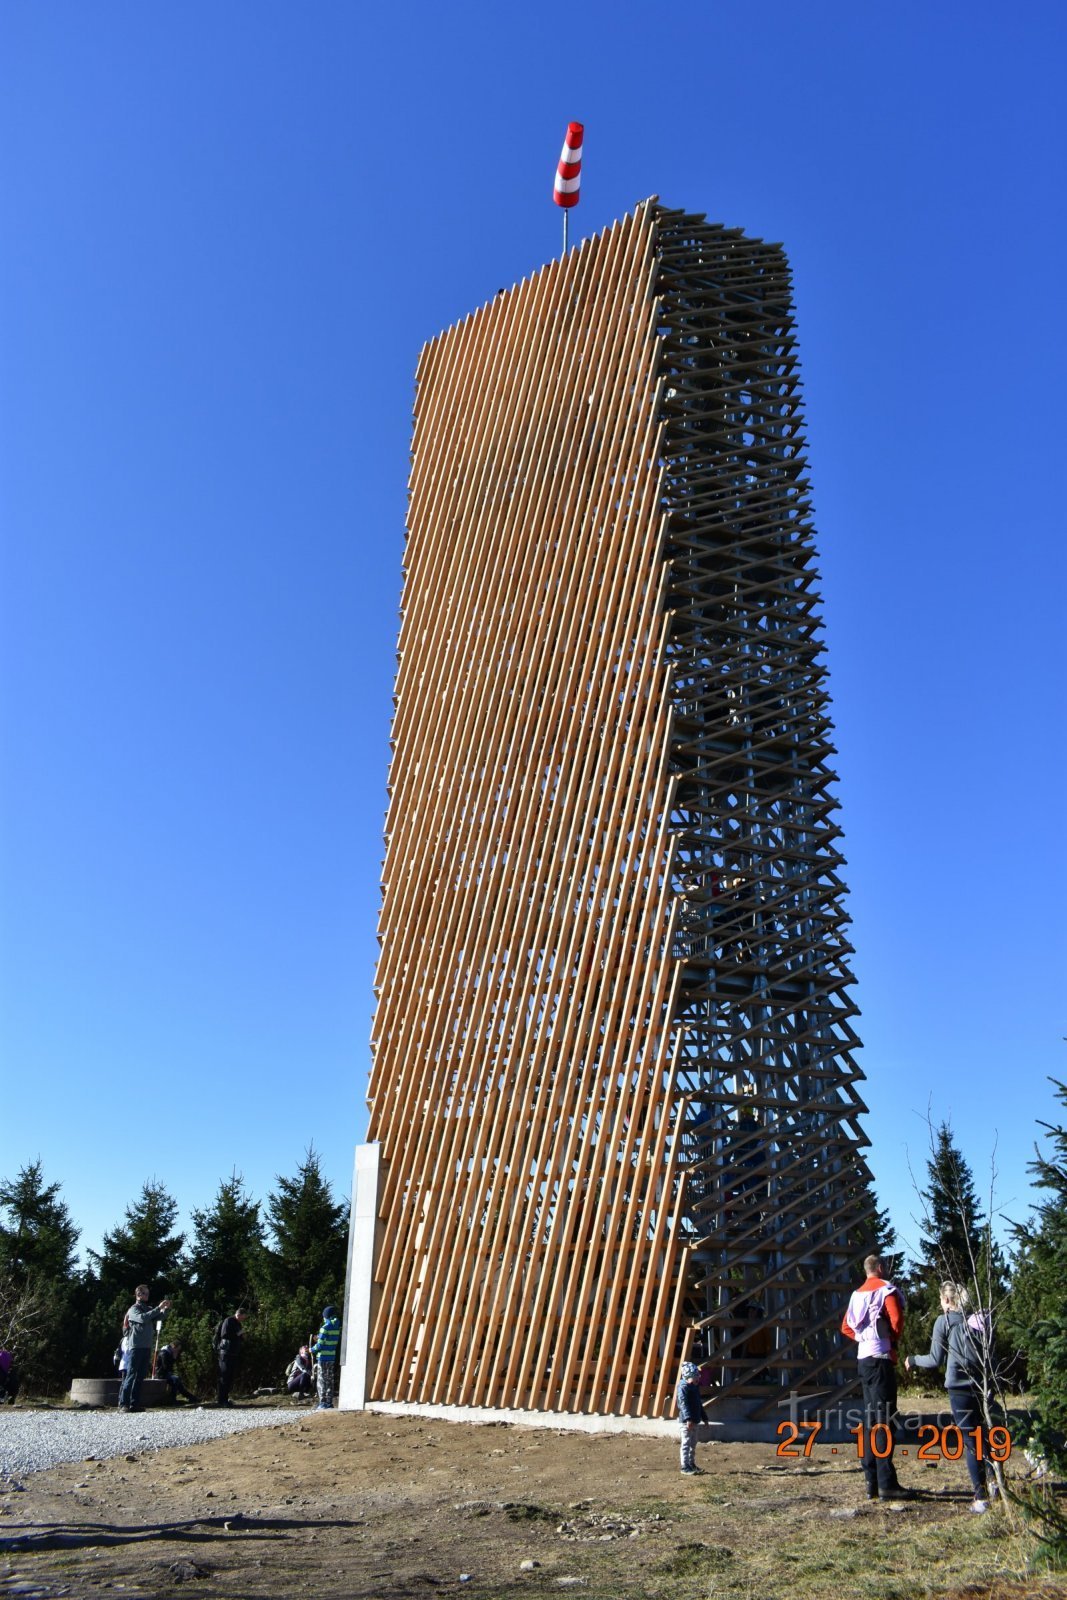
x: 874, y: 1317
x: 226, y: 1343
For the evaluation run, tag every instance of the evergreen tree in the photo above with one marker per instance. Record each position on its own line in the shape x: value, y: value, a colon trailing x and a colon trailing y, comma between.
x: 39, y: 1237
x: 310, y: 1235
x: 38, y: 1284
x: 143, y: 1249
x: 877, y: 1237
x: 953, y: 1217
x: 957, y: 1244
x: 1038, y: 1315
x: 225, y: 1258
x: 304, y: 1268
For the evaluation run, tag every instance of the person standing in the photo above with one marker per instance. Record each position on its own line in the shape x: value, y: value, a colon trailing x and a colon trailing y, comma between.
x: 227, y: 1344
x: 963, y: 1346
x: 9, y: 1377
x: 874, y: 1317
x: 140, y: 1323
x: 690, y: 1414
x: 324, y: 1349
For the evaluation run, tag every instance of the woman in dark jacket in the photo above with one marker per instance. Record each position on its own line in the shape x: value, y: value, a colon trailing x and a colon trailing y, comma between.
x: 961, y: 1345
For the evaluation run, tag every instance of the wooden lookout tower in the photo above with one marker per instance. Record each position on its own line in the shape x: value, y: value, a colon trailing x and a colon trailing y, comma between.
x: 613, y: 1100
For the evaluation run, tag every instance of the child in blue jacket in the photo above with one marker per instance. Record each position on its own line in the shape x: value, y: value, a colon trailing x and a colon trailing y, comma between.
x: 690, y: 1414
x: 325, y: 1348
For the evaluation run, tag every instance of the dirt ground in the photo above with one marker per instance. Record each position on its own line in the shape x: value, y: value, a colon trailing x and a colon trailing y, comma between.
x: 360, y: 1505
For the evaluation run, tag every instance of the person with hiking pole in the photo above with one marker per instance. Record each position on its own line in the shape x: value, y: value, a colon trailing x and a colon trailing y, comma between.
x: 140, y: 1323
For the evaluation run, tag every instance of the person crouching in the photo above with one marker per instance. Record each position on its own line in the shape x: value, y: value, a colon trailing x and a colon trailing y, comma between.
x: 167, y: 1369
x: 299, y: 1374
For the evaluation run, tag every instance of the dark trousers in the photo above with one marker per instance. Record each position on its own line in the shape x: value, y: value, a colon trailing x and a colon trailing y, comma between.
x: 177, y: 1387
x: 229, y: 1361
x: 878, y: 1376
x: 966, y: 1406
x: 137, y: 1365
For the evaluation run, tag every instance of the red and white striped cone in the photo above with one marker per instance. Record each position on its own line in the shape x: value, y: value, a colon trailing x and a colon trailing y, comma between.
x: 569, y: 173
x: 569, y: 170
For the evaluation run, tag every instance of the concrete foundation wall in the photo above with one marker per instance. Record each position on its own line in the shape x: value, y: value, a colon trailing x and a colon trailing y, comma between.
x: 359, y: 1284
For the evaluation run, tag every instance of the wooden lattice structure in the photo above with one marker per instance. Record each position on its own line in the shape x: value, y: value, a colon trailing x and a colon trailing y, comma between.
x: 612, y: 1077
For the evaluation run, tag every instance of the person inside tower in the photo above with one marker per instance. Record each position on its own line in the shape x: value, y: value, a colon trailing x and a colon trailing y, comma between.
x: 758, y: 1344
x: 706, y: 897
x: 702, y: 887
x: 745, y: 1152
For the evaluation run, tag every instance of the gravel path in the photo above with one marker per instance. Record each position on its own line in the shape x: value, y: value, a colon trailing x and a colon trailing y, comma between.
x: 31, y: 1441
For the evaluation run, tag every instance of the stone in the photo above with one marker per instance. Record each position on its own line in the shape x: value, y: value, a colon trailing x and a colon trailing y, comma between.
x: 184, y: 1571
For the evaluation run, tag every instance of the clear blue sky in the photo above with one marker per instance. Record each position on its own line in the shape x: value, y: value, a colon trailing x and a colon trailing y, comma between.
x: 226, y: 231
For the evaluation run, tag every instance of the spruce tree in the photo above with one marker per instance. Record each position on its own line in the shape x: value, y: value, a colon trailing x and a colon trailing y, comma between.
x: 38, y: 1281
x: 38, y: 1238
x: 225, y: 1257
x: 877, y: 1237
x: 957, y: 1242
x: 309, y: 1234
x: 305, y: 1260
x: 1038, y: 1314
x: 955, y: 1225
x: 143, y: 1248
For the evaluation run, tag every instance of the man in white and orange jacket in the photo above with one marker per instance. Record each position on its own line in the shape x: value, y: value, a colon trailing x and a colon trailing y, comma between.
x: 874, y: 1317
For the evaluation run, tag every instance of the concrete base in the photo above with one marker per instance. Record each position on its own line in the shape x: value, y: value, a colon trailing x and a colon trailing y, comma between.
x: 721, y: 1428
x: 486, y: 1416
x: 105, y: 1392
x: 363, y: 1230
